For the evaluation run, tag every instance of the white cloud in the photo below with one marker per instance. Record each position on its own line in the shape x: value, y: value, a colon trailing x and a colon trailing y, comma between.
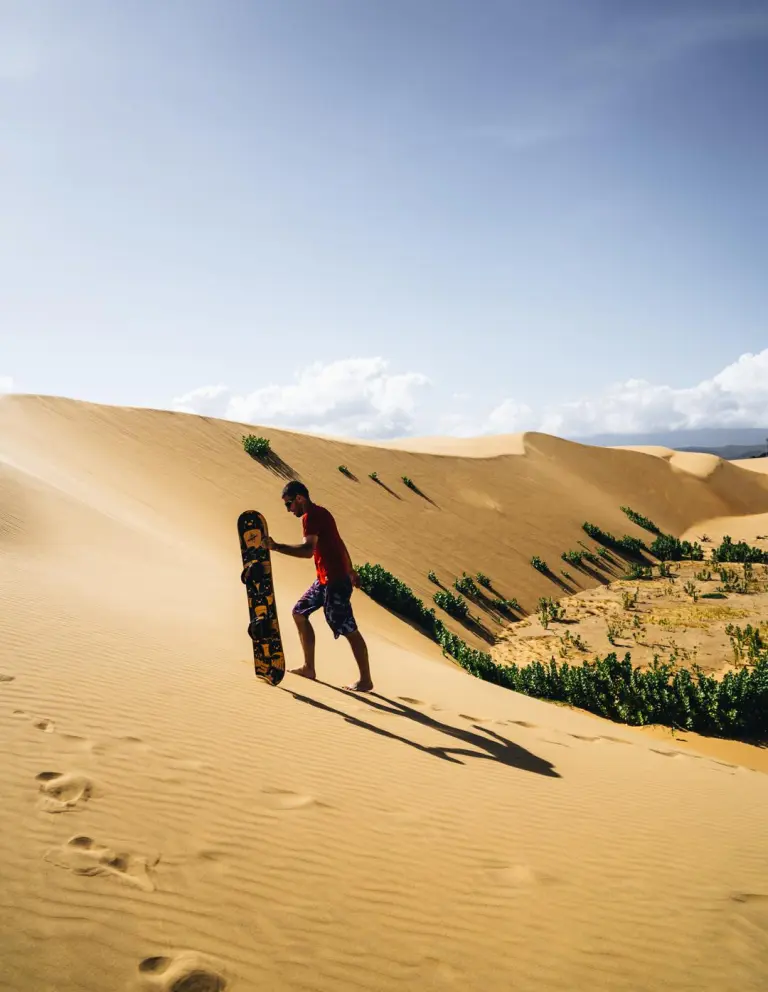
x: 360, y: 397
x: 208, y: 401
x: 735, y: 397
x: 355, y: 397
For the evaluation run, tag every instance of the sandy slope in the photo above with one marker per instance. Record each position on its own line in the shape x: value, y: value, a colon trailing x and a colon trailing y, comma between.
x: 166, y: 819
x: 753, y: 464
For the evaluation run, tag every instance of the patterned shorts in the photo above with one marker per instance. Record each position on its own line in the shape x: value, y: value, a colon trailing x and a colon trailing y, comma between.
x: 335, y: 599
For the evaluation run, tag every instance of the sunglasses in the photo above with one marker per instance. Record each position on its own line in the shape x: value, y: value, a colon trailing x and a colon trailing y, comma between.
x: 289, y: 502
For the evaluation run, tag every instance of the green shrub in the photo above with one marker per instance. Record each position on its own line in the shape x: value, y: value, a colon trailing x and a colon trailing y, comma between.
x: 573, y: 557
x: 614, y: 628
x: 374, y: 476
x: 629, y: 599
x: 410, y: 483
x: 466, y: 585
x: 539, y: 564
x: 256, y: 447
x: 631, y: 544
x: 731, y: 581
x: 669, y: 548
x: 433, y: 578
x: 739, y: 552
x: 601, y: 536
x: 640, y: 520
x: 456, y: 606
x: 345, y: 471
x: 637, y: 571
x: 549, y: 611
x: 382, y: 586
x: 506, y: 606
x: 735, y: 706
x: 747, y: 640
x: 484, y: 580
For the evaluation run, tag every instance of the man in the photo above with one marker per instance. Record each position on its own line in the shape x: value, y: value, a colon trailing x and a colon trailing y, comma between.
x: 333, y: 587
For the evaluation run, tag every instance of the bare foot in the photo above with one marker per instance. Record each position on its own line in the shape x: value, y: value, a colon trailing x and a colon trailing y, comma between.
x: 307, y: 673
x: 360, y: 686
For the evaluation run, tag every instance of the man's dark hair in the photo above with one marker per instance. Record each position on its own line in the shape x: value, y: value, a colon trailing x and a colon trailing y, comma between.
x: 295, y: 488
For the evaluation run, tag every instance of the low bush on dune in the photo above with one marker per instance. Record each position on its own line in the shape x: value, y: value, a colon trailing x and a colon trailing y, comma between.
x: 669, y: 548
x: 665, y: 547
x: 735, y: 706
x: 640, y: 520
x: 506, y: 606
x: 455, y: 606
x: 256, y: 447
x: 466, y: 585
x: 388, y: 590
x: 740, y: 552
x: 549, y: 611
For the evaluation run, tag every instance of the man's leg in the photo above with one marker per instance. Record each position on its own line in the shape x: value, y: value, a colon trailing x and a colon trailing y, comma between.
x: 307, y: 638
x: 341, y: 620
x: 360, y: 651
x: 312, y: 600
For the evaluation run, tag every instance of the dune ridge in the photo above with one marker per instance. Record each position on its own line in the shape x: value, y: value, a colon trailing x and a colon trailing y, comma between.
x: 170, y: 823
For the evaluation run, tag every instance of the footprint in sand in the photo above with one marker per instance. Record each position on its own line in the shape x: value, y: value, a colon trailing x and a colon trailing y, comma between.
x: 599, y: 740
x: 84, y: 856
x: 516, y: 876
x: 63, y: 791
x: 433, y: 968
x: 753, y: 908
x: 134, y: 745
x: 523, y: 723
x: 39, y: 723
x: 6, y: 678
x: 286, y: 799
x: 409, y: 699
x: 756, y: 898
x: 183, y: 973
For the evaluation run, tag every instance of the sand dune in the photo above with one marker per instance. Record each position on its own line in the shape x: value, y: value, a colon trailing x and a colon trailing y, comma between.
x: 753, y: 464
x: 170, y: 823
x: 487, y: 446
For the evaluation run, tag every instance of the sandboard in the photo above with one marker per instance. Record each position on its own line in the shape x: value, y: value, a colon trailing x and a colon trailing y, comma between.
x: 263, y: 629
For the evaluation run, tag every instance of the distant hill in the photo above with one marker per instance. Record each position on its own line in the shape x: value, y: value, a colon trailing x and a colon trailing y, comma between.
x: 727, y: 442
x: 732, y: 452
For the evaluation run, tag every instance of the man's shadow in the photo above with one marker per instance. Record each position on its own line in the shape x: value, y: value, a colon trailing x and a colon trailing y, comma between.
x: 488, y: 744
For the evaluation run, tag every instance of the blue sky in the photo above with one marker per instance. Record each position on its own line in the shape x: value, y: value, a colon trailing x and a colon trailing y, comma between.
x: 380, y: 217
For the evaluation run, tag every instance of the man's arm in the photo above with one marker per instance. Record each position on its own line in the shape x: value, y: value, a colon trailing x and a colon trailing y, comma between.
x: 350, y: 566
x: 304, y: 550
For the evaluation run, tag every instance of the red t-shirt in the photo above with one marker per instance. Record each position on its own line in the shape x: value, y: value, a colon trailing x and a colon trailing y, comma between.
x: 330, y: 559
